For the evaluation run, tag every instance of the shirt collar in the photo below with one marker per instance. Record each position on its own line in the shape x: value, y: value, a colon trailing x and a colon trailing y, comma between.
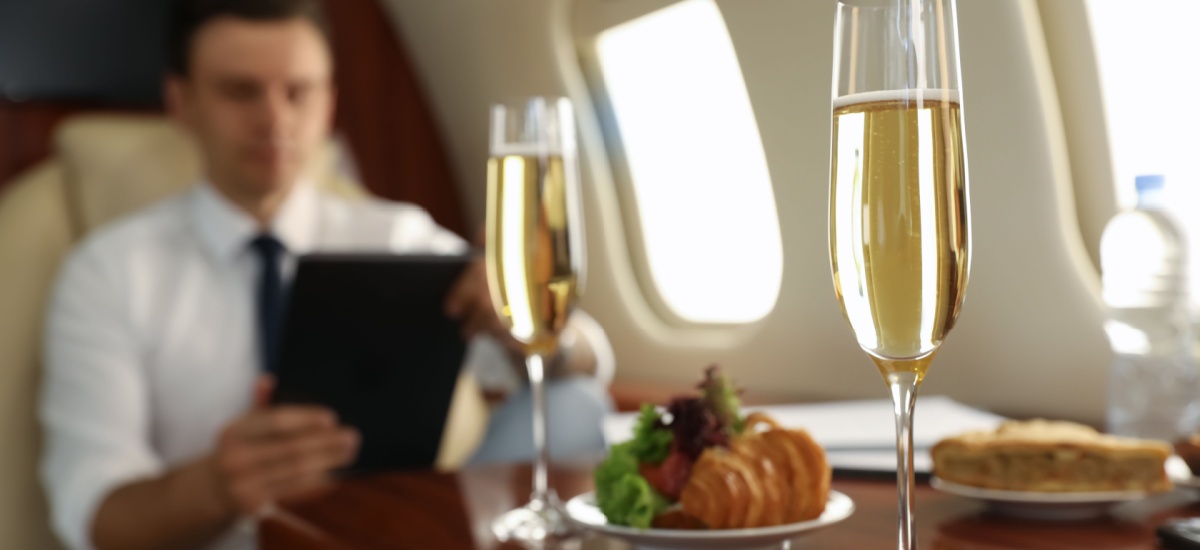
x: 226, y: 230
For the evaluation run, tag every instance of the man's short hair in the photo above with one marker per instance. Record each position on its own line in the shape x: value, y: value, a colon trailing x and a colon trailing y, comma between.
x: 185, y: 18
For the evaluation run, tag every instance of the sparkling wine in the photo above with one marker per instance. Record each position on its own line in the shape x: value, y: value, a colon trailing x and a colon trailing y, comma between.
x: 532, y: 261
x: 899, y: 230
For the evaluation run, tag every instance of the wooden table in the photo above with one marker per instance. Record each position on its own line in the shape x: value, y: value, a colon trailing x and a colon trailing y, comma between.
x: 448, y: 511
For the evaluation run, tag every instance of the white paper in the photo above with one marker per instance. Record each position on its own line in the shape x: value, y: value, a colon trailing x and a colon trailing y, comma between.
x: 877, y: 461
x: 859, y: 435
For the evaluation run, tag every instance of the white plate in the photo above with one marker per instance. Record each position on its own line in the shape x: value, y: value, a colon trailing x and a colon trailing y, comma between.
x: 1042, y: 505
x: 583, y: 511
x: 1181, y: 474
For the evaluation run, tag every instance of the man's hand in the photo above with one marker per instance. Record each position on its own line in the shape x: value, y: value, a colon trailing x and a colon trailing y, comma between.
x: 273, y: 453
x: 470, y: 303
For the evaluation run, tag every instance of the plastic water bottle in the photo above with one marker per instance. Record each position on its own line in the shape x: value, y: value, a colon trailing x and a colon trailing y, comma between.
x: 1154, y: 389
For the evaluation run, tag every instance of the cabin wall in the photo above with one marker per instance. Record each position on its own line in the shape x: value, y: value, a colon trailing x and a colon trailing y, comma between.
x: 471, y: 53
x: 1077, y: 79
x: 1029, y: 341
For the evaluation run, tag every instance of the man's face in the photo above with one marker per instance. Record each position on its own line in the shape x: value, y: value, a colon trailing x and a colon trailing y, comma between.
x: 258, y: 98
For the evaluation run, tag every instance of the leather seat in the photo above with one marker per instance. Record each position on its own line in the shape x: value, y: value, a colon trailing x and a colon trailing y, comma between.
x: 106, y: 166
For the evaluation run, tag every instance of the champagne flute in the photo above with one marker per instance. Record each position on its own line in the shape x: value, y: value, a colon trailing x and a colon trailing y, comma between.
x: 899, y: 229
x: 535, y: 269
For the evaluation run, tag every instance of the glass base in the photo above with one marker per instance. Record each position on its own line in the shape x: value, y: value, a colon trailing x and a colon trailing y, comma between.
x: 536, y: 524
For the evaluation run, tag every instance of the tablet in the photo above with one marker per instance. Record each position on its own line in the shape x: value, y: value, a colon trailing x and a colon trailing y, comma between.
x: 366, y: 335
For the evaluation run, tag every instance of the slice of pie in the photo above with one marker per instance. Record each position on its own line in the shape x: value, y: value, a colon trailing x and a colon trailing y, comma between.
x: 1189, y: 450
x: 1051, y: 456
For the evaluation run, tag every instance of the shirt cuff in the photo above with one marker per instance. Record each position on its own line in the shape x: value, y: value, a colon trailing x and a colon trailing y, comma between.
x: 81, y: 501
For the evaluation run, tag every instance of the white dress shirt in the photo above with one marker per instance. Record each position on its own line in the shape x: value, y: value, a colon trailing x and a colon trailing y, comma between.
x: 151, y: 336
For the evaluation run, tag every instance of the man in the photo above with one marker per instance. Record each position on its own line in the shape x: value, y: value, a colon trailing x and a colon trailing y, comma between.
x: 157, y: 425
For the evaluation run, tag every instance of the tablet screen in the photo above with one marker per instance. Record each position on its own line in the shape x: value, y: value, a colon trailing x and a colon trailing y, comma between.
x: 367, y: 336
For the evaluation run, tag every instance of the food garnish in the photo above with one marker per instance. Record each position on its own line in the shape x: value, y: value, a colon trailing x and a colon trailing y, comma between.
x: 700, y: 464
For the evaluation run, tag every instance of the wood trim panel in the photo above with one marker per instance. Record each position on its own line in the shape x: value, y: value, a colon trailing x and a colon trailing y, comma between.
x: 384, y: 116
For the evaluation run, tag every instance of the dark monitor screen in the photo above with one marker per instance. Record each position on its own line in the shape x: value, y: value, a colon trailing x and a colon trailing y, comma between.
x: 95, y: 50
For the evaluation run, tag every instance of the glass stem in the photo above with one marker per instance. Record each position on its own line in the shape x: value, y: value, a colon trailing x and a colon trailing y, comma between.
x: 904, y: 398
x: 537, y: 389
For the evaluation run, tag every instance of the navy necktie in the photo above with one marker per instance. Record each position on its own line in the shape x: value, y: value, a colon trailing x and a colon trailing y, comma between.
x: 270, y: 298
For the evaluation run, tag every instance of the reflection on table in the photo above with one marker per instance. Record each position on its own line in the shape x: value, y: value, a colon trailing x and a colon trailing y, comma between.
x: 426, y: 509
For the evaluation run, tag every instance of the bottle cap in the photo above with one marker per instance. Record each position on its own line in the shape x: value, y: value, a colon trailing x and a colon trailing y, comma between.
x: 1150, y: 183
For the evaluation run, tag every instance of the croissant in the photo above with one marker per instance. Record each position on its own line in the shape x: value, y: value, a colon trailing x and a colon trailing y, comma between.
x: 765, y: 477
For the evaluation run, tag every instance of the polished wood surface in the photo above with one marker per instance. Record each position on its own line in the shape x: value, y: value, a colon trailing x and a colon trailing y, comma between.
x: 452, y: 511
x: 383, y: 112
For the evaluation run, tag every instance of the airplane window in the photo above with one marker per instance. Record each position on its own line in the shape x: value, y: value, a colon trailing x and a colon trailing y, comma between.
x: 690, y: 143
x: 1146, y: 54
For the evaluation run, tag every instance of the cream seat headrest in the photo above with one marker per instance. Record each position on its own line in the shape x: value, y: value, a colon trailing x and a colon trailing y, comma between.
x: 116, y: 164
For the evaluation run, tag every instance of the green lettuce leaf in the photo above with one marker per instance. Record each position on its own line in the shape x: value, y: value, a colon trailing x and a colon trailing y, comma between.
x: 635, y: 502
x: 651, y: 443
x: 622, y: 493
x: 722, y: 398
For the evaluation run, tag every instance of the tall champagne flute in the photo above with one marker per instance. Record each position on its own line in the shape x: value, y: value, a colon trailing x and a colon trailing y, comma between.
x: 535, y: 266
x: 899, y: 229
